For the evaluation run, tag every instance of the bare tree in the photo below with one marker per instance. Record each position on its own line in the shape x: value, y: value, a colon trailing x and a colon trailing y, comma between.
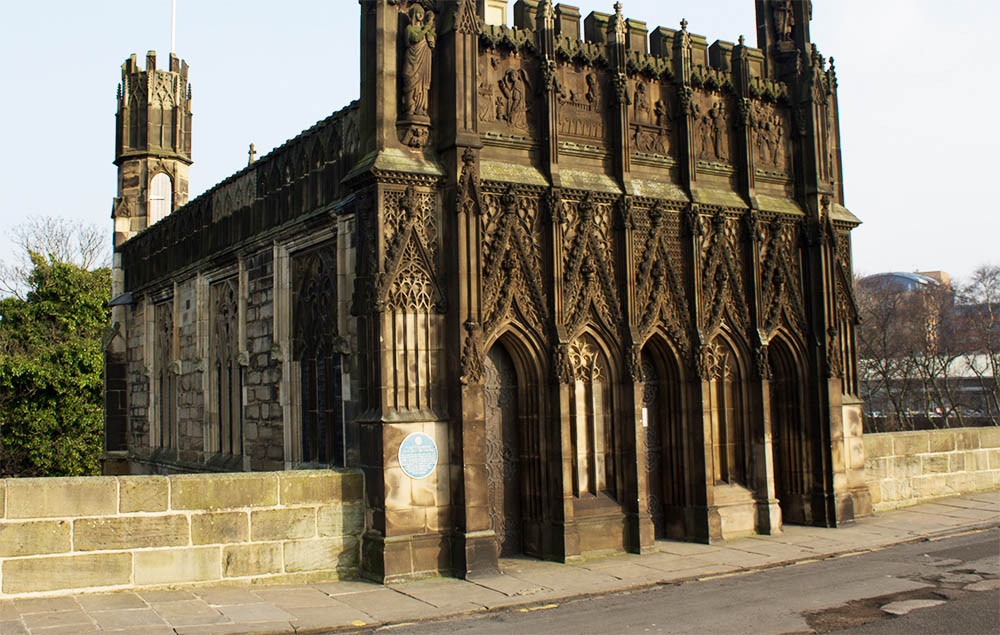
x: 981, y: 318
x: 885, y: 366
x: 59, y: 240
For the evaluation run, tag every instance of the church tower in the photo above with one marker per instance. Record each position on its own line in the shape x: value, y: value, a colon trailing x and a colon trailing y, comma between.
x: 152, y: 144
x: 152, y: 152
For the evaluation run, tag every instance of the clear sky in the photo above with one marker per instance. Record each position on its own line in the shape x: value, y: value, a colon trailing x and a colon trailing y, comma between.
x: 916, y: 93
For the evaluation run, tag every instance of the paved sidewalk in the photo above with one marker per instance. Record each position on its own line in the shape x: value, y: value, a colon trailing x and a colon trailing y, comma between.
x: 349, y: 605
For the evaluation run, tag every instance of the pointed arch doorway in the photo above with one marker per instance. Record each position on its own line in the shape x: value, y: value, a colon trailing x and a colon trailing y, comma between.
x: 663, y: 440
x: 790, y: 444
x: 503, y: 450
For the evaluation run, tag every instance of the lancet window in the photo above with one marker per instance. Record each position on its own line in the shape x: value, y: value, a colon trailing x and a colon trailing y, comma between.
x: 317, y: 352
x: 226, y: 435
x: 591, y: 421
x: 165, y: 380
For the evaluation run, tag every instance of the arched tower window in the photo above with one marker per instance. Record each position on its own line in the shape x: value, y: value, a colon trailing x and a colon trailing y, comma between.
x: 161, y: 197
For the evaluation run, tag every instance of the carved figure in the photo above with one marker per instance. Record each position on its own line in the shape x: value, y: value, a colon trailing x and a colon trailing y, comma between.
x: 511, y: 104
x: 420, y: 41
x: 641, y: 103
x: 720, y: 138
x: 784, y: 20
x: 593, y: 91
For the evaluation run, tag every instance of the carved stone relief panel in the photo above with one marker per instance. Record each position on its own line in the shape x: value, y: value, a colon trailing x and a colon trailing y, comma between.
x: 582, y: 103
x: 769, y: 127
x: 713, y: 125
x: 409, y: 281
x: 590, y: 290
x: 653, y: 114
x: 507, y: 92
x: 512, y: 270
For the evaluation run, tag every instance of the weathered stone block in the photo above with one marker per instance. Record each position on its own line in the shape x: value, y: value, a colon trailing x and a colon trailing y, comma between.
x: 219, y: 527
x: 223, y: 491
x: 910, y: 443
x: 321, y: 553
x: 166, y: 566
x: 73, y: 496
x: 282, y: 524
x: 967, y: 439
x: 976, y: 460
x: 941, y: 441
x: 143, y: 494
x: 320, y: 486
x: 34, y: 537
x: 25, y: 575
x: 3, y: 498
x: 339, y: 520
x: 989, y: 437
x: 908, y: 466
x: 994, y: 458
x: 247, y: 560
x: 877, y: 445
x: 935, y: 463
x: 130, y: 532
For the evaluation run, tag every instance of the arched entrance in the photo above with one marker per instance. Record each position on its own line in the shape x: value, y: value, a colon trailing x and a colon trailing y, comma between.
x: 788, y: 434
x: 662, y: 452
x: 503, y: 450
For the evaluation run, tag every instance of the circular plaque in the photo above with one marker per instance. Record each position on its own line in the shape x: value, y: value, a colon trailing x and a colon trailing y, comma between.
x: 418, y: 455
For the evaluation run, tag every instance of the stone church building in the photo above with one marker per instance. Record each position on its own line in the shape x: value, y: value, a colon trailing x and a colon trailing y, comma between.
x: 604, y: 270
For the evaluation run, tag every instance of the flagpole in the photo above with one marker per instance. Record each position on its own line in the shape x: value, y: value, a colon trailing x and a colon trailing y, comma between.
x: 173, y: 19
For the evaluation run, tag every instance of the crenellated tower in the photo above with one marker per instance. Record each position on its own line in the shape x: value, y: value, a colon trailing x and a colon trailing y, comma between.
x: 152, y: 144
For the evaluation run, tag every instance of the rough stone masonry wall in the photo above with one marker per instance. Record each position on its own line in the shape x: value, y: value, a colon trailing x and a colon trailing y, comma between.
x: 905, y: 468
x: 110, y: 533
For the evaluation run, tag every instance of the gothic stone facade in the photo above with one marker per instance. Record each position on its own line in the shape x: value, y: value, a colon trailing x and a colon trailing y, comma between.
x: 609, y: 276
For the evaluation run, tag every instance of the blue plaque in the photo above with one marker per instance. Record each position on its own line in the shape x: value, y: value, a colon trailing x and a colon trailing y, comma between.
x: 418, y: 455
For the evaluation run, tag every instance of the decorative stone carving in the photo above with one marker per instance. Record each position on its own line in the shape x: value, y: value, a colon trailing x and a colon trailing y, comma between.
x: 722, y: 280
x: 408, y: 282
x: 590, y: 286
x: 713, y: 129
x: 584, y: 361
x: 784, y: 20
x: 581, y: 106
x: 660, y: 296
x: 780, y: 279
x: 470, y: 196
x: 768, y: 137
x: 472, y: 354
x: 652, y: 122
x: 420, y: 39
x: 512, y: 271
x: 512, y: 104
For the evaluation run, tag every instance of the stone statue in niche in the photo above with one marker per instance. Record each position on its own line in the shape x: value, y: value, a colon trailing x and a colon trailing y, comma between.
x: 487, y: 89
x: 640, y: 102
x: 420, y: 41
x: 784, y: 20
x: 768, y: 133
x: 512, y: 105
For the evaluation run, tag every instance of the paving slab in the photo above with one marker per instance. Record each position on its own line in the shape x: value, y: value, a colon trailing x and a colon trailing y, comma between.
x: 171, y: 595
x: 328, y: 616
x: 45, y: 605
x: 10, y: 627
x: 227, y: 596
x: 52, y: 619
x: 189, y: 613
x: 126, y: 618
x: 296, y: 597
x: 510, y: 586
x: 343, y: 587
x: 233, y: 629
x: 111, y: 601
x: 249, y: 613
x: 7, y: 612
x: 385, y: 605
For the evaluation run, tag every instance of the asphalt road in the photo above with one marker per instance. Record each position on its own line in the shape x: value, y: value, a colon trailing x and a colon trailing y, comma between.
x: 843, y: 594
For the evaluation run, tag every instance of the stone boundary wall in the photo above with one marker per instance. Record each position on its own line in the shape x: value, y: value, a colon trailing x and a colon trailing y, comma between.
x: 127, y: 532
x: 905, y: 468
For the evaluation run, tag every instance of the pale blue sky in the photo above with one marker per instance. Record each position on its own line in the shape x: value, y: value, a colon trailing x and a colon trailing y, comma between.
x: 916, y: 101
